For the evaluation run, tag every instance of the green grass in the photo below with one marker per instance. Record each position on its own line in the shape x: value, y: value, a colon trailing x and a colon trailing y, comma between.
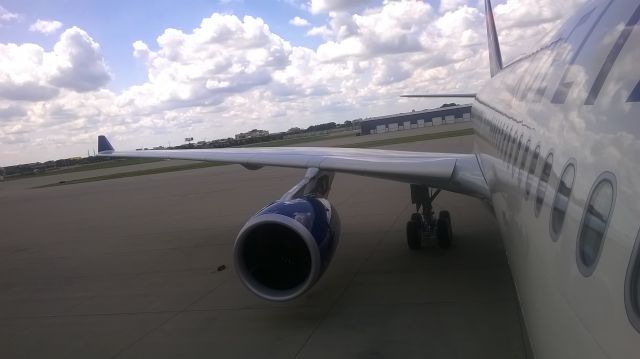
x: 298, y: 140
x: 151, y: 171
x: 368, y: 144
x: 417, y: 138
x: 89, y: 167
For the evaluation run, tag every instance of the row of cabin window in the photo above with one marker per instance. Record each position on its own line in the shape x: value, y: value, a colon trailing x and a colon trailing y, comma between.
x: 595, y: 218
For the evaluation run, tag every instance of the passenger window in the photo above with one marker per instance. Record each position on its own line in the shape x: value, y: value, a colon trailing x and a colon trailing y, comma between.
x: 512, y: 147
x: 562, y: 198
x: 500, y: 137
x: 505, y: 137
x: 542, y: 183
x: 505, y: 148
x: 595, y: 221
x: 532, y: 168
x: 515, y: 157
x: 526, y: 153
x: 509, y: 140
x: 632, y: 286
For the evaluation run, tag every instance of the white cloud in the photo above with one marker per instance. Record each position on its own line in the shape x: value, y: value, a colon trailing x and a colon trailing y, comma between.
x: 394, y: 28
x: 320, y: 6
x: 298, y: 21
x: 79, y: 64
x: 29, y: 73
x: 520, y: 21
x: 225, y: 55
x: 24, y: 74
x: 322, y: 31
x: 231, y: 74
x: 7, y: 16
x: 46, y: 27
x: 449, y: 5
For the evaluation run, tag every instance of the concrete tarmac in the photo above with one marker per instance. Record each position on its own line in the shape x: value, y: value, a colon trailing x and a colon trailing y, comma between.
x: 128, y: 268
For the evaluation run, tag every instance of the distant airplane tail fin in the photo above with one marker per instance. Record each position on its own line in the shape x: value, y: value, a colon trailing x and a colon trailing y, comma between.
x: 104, y: 145
x: 495, y: 56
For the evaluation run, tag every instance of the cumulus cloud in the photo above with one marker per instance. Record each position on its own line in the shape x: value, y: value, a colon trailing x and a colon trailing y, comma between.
x: 232, y: 73
x: 79, y: 64
x: 10, y: 112
x: 224, y: 55
x: 7, y: 16
x: 46, y: 27
x: 29, y: 73
x: 393, y: 28
x: 320, y: 6
x: 449, y: 5
x: 298, y: 21
x: 24, y: 73
x: 519, y: 21
x: 322, y: 31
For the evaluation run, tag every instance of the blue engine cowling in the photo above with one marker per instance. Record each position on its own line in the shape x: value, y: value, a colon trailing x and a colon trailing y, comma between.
x: 283, y: 250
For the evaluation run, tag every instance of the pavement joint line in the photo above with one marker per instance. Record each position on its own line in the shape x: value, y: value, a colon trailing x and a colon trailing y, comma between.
x: 140, y: 274
x: 175, y: 314
x: 333, y: 305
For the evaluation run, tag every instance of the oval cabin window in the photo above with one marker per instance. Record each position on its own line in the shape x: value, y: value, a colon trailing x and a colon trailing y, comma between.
x: 532, y: 169
x: 632, y: 286
x: 562, y: 198
x: 595, y: 220
x: 542, y: 183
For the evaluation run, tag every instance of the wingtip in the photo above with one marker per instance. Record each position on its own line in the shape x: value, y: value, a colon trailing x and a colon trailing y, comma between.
x: 104, y: 146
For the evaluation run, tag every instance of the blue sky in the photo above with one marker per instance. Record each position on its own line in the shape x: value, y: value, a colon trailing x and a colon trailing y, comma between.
x: 150, y: 73
x: 117, y: 24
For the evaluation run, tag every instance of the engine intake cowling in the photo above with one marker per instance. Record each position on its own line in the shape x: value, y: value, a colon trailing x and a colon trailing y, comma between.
x: 282, y: 251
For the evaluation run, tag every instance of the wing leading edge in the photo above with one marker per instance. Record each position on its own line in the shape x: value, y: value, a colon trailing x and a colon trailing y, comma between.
x: 453, y: 172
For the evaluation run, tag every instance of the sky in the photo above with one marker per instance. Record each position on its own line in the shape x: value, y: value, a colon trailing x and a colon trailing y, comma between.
x: 152, y: 73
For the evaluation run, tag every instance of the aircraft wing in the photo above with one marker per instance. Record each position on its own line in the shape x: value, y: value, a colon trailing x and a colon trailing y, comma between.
x: 453, y: 172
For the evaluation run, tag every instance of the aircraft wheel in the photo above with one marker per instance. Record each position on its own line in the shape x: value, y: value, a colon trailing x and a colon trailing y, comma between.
x: 444, y: 231
x: 414, y: 234
x: 416, y: 217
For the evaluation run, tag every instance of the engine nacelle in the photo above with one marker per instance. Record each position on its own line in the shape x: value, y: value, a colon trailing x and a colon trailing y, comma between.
x: 283, y: 250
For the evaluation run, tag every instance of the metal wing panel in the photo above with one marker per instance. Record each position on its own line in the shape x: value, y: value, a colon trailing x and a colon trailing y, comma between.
x: 387, y: 164
x: 433, y: 169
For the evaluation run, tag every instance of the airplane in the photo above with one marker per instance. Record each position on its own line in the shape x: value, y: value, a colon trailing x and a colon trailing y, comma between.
x: 556, y: 156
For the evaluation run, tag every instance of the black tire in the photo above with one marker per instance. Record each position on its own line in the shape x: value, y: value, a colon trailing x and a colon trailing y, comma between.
x: 444, y: 231
x: 416, y: 217
x: 414, y: 235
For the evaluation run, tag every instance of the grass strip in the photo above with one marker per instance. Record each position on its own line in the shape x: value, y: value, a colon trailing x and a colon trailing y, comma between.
x: 416, y: 138
x: 298, y: 140
x: 89, y: 167
x: 151, y: 171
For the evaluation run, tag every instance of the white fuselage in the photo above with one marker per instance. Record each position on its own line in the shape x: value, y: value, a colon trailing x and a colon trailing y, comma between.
x: 574, y: 97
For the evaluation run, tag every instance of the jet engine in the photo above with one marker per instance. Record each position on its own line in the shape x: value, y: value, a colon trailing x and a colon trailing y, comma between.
x: 282, y: 251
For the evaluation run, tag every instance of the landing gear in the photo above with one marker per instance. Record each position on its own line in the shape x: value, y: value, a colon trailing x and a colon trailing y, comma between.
x: 414, y: 234
x: 444, y: 231
x: 424, y: 224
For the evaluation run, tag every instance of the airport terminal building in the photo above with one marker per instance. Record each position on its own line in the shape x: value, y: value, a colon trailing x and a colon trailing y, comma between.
x: 416, y: 119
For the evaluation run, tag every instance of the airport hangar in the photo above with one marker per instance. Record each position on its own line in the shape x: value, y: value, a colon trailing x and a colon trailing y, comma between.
x: 416, y: 119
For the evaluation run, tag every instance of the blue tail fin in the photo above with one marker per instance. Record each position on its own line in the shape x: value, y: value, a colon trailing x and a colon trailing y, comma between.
x: 104, y: 145
x: 495, y: 57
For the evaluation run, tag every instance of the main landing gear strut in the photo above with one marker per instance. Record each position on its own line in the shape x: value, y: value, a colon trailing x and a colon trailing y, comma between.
x: 424, y: 224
